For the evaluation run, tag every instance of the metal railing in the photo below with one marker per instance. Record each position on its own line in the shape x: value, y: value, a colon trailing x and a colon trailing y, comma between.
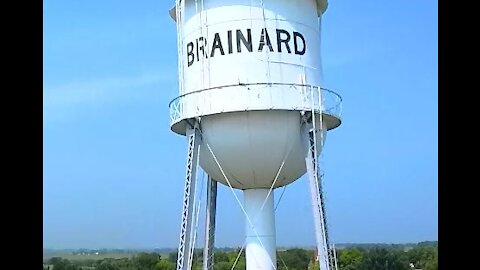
x: 331, y: 101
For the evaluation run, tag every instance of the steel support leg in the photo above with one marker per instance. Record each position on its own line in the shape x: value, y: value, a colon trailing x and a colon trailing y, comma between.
x: 335, y: 256
x: 210, y: 224
x: 184, y: 248
x: 317, y: 203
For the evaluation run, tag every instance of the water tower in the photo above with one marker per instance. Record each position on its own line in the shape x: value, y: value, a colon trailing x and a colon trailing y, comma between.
x: 254, y: 112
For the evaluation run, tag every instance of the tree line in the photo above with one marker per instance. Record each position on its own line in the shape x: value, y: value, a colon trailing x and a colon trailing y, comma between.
x: 423, y: 256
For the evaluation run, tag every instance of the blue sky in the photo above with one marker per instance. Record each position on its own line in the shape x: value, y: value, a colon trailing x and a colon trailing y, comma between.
x: 113, y: 170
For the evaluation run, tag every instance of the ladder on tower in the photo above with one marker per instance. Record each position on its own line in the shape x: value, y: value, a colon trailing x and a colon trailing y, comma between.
x: 331, y: 249
x: 326, y: 255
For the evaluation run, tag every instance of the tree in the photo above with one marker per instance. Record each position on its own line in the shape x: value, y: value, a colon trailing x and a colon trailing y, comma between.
x: 54, y: 260
x: 173, y: 256
x: 107, y: 265
x: 222, y: 265
x: 349, y: 259
x: 424, y: 255
x: 220, y: 256
x: 165, y: 265
x: 383, y: 259
x: 432, y: 265
x: 62, y: 264
x: 146, y: 261
x: 313, y: 265
x: 294, y: 259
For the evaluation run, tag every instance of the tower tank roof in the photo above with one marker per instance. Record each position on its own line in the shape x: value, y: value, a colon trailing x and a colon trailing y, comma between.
x: 321, y: 8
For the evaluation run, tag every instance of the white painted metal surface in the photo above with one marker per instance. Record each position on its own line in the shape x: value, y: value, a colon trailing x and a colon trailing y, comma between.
x: 247, y: 97
x: 243, y: 55
x: 251, y: 147
x: 260, y: 249
x: 247, y: 70
x: 321, y: 7
x: 239, y: 43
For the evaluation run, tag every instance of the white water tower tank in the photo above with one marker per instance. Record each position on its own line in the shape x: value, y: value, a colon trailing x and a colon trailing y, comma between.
x: 247, y: 70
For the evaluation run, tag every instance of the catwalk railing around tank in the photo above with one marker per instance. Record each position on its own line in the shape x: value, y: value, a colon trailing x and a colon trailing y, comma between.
x: 258, y: 96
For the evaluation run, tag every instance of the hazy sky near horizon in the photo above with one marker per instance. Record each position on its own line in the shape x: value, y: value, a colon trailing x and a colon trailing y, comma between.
x: 113, y: 170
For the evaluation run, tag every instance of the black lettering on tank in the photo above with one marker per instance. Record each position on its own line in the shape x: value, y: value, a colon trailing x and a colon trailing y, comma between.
x: 247, y: 42
x: 280, y: 40
x: 203, y: 47
x: 190, y: 54
x: 295, y: 35
x: 217, y: 44
x: 264, y: 38
x: 199, y: 48
x: 230, y: 47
